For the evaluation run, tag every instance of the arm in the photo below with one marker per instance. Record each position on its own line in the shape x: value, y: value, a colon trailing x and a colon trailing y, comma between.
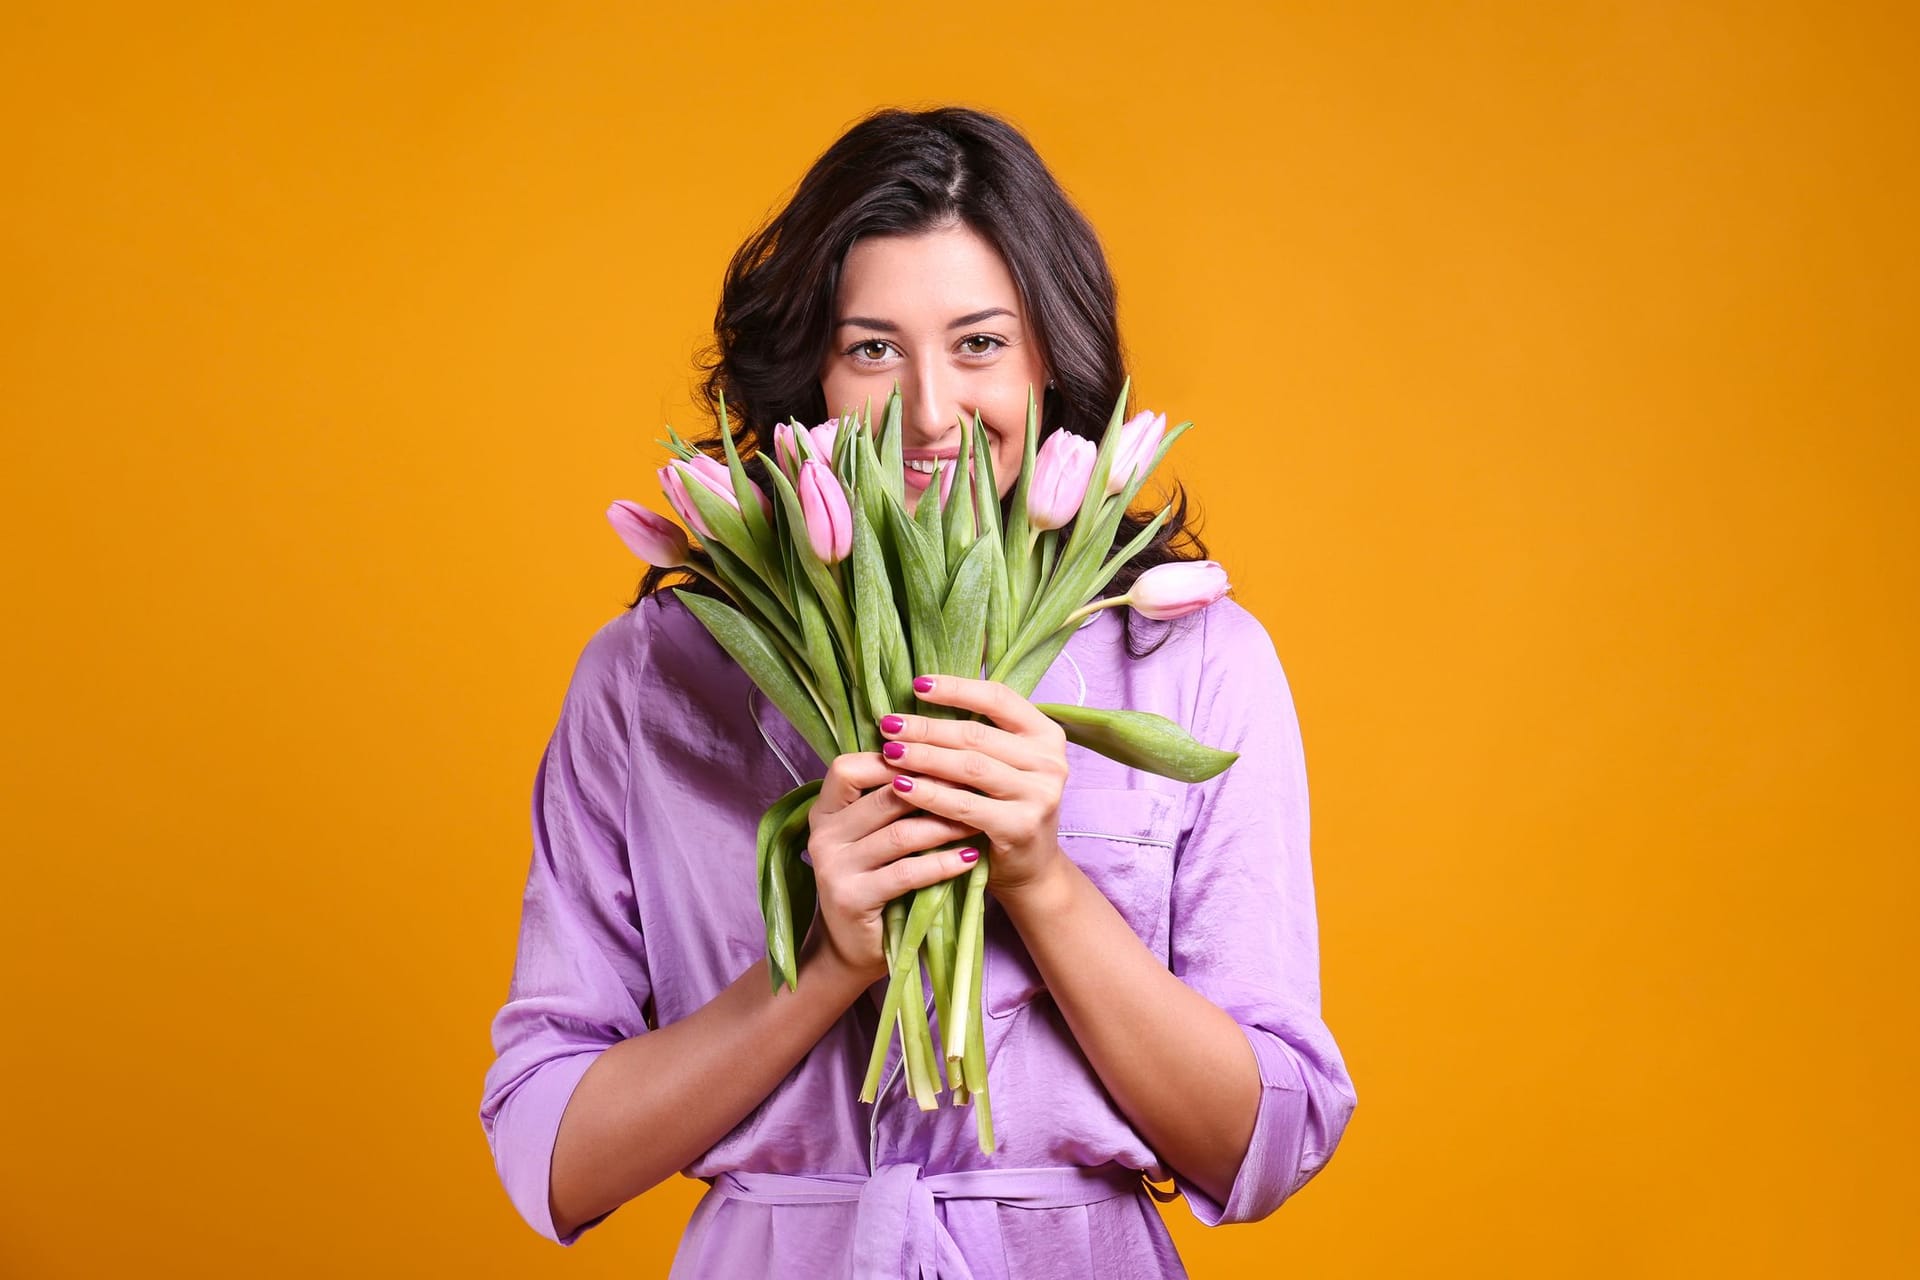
x: 649, y: 1105
x: 1177, y: 1066
x: 1221, y: 1060
x: 586, y: 1105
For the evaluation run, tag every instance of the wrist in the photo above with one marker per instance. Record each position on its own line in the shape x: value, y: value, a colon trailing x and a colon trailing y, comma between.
x: 820, y: 962
x: 1042, y: 895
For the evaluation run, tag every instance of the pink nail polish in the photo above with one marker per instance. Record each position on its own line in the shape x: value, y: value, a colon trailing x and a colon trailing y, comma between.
x: 894, y: 750
x: 892, y: 724
x: 923, y: 684
x: 969, y: 855
x: 902, y: 782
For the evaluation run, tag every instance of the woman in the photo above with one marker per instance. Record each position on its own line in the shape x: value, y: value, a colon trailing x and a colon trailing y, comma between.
x: 1152, y: 986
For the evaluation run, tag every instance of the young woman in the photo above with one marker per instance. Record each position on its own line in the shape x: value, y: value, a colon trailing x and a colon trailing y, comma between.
x: 1152, y: 969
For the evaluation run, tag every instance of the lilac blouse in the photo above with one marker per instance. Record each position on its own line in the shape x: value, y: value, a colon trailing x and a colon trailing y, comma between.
x: 639, y: 908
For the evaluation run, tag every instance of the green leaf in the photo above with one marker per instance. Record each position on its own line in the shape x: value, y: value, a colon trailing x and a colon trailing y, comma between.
x: 1140, y: 740
x: 745, y: 493
x: 881, y: 644
x: 1095, y: 500
x: 770, y: 612
x: 892, y: 469
x: 749, y: 646
x: 964, y: 615
x: 825, y: 588
x: 925, y: 579
x: 780, y: 872
x: 1018, y: 533
x: 817, y: 646
x: 927, y: 516
x: 958, y: 515
x: 730, y: 530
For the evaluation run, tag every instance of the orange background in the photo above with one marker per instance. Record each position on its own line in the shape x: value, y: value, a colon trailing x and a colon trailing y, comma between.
x: 1553, y: 373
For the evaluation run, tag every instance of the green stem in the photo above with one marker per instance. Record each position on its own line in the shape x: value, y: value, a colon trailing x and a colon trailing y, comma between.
x: 976, y: 1059
x: 901, y: 956
x: 966, y: 993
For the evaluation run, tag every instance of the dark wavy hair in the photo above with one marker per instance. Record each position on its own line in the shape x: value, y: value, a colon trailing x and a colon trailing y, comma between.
x: 904, y: 172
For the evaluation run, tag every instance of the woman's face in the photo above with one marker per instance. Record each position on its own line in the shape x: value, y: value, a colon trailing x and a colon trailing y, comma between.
x: 939, y: 313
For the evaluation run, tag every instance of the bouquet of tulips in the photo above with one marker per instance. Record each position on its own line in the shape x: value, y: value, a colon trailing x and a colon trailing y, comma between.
x: 840, y: 594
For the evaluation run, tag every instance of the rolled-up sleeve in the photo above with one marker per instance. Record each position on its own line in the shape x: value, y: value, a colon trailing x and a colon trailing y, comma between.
x: 1243, y: 926
x: 580, y: 981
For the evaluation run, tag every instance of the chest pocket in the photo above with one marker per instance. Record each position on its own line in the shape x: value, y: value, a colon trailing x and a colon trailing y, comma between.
x: 1123, y: 839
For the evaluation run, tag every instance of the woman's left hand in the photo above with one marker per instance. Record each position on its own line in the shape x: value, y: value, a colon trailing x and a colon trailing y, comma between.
x: 1002, y: 778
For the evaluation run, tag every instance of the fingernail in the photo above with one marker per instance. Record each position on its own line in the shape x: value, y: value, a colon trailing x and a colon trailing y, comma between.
x: 901, y: 782
x: 969, y: 855
x: 894, y: 750
x: 923, y: 684
x: 892, y: 724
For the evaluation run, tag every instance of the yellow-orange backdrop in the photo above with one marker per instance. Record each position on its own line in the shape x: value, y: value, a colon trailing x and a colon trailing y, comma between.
x: 1552, y: 367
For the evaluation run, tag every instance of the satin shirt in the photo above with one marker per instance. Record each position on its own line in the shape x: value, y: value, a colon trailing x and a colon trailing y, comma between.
x: 640, y: 907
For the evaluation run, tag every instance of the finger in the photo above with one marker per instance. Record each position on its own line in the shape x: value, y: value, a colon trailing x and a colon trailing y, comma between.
x: 841, y: 786
x: 991, y: 698
x: 904, y: 875
x: 872, y: 812
x: 969, y: 735
x: 982, y: 813
x: 907, y: 837
x: 965, y: 768
x: 849, y: 777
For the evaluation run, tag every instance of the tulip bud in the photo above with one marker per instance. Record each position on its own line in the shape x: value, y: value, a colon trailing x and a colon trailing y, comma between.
x: 785, y: 451
x: 1061, y: 470
x: 716, y: 477
x: 649, y: 535
x: 1139, y: 441
x: 674, y: 485
x: 822, y: 438
x: 1177, y: 588
x: 824, y: 504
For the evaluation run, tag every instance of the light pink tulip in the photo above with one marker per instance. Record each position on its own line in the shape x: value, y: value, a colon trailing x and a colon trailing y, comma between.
x: 822, y: 438
x: 1061, y: 470
x: 1177, y: 588
x: 648, y: 534
x: 1139, y: 441
x: 674, y: 485
x: 824, y: 504
x: 715, y: 476
x: 785, y: 452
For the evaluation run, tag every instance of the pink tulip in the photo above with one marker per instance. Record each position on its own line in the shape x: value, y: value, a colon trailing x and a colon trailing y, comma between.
x: 785, y: 452
x: 715, y: 476
x: 674, y: 485
x: 822, y: 438
x: 1177, y: 588
x: 824, y: 504
x: 1139, y: 441
x: 649, y: 535
x: 786, y: 447
x: 1061, y: 470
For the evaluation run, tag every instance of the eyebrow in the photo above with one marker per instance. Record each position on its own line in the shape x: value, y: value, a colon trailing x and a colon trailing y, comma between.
x: 887, y: 326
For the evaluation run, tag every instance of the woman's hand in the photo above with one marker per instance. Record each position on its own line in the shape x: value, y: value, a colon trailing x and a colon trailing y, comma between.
x: 864, y: 840
x: 1002, y: 779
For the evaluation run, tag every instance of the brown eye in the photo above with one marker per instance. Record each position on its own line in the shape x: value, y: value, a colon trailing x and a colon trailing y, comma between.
x: 863, y: 348
x: 991, y: 342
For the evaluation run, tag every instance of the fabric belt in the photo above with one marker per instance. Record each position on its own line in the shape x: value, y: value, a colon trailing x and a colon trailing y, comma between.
x: 896, y: 1231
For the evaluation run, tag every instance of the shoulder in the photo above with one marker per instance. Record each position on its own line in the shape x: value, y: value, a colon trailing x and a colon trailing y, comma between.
x: 627, y: 643
x: 1232, y: 634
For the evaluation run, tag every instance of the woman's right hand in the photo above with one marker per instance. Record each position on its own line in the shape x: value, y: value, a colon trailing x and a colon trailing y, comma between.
x: 865, y: 840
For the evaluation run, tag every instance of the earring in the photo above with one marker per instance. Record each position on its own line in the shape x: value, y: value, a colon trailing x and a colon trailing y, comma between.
x: 1049, y: 384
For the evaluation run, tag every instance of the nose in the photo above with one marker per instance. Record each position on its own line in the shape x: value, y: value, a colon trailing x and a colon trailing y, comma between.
x: 931, y: 404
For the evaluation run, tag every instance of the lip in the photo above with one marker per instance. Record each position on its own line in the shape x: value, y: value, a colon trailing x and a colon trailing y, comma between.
x: 919, y: 480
